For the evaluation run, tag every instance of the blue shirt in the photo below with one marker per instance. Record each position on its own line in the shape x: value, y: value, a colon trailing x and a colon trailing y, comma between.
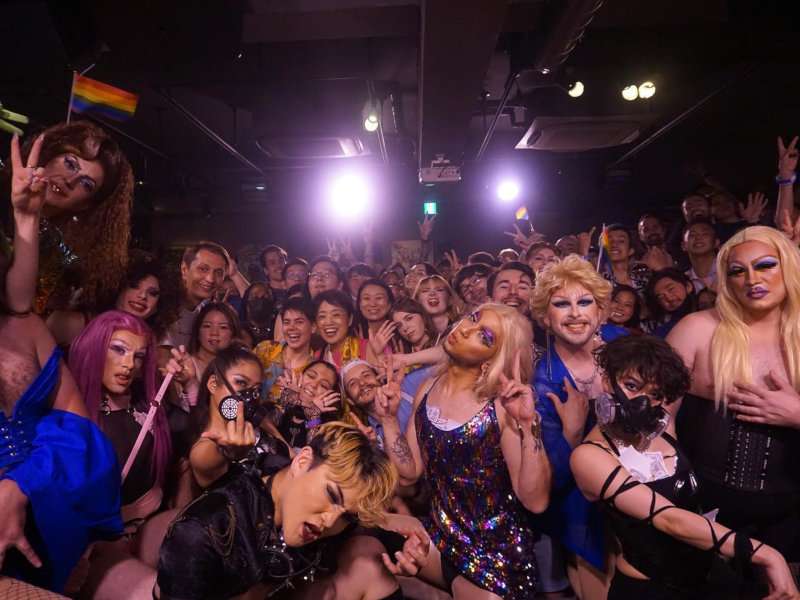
x: 570, y: 518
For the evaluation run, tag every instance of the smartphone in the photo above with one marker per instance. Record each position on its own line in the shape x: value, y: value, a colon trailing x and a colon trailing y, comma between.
x: 429, y: 208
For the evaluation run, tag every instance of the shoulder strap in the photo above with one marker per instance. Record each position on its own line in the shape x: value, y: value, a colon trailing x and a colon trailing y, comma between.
x: 610, y: 443
x: 599, y: 445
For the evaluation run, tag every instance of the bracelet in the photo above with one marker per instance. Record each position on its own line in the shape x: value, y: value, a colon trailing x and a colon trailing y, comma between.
x: 315, y: 422
x: 789, y: 181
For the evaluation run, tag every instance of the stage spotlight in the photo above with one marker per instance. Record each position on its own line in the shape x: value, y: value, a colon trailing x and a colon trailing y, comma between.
x: 507, y: 190
x: 630, y: 92
x: 261, y: 187
x: 371, y: 122
x: 575, y: 89
x: 647, y: 90
x: 348, y: 197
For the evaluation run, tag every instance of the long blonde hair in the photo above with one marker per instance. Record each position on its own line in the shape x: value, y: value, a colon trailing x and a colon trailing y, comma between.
x: 517, y: 335
x: 730, y: 344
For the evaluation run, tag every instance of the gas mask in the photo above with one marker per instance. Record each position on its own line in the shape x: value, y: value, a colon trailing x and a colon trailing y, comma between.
x: 229, y: 406
x: 630, y: 417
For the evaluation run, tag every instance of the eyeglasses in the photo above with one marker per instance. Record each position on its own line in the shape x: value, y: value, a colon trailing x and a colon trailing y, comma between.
x: 322, y: 276
x: 296, y: 276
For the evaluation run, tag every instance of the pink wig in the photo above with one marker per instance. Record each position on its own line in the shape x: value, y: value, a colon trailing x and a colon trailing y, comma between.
x: 87, y: 359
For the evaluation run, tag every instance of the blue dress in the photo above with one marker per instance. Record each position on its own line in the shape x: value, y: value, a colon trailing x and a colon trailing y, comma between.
x: 569, y: 518
x: 68, y: 470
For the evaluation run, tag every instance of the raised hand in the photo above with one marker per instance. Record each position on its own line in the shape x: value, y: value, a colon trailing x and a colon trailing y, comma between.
x: 333, y: 249
x: 452, y: 258
x: 365, y: 429
x: 657, y: 258
x: 346, y: 245
x: 572, y: 413
x: 516, y: 396
x: 381, y: 338
x: 788, y: 228
x: 13, y: 512
x: 289, y: 380
x: 787, y: 158
x: 426, y: 227
x: 523, y: 241
x: 237, y: 439
x: 28, y: 183
x: 761, y: 404
x: 756, y: 203
x: 585, y: 241
x: 388, y: 397
x: 181, y: 366
x: 325, y: 402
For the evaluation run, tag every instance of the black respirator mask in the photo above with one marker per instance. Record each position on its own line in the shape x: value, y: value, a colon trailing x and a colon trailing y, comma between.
x: 630, y: 416
x: 229, y: 406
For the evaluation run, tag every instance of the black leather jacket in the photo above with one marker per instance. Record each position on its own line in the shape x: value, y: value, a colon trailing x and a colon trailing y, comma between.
x: 225, y: 542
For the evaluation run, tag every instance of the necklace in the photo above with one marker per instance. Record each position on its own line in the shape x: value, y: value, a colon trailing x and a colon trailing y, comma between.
x: 585, y: 385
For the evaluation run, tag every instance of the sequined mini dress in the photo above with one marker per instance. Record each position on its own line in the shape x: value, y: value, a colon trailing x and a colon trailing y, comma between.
x: 476, y: 521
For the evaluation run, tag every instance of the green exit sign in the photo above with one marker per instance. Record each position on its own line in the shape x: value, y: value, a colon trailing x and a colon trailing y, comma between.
x: 429, y: 208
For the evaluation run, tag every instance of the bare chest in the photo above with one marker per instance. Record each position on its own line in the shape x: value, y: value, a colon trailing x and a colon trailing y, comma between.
x: 18, y: 368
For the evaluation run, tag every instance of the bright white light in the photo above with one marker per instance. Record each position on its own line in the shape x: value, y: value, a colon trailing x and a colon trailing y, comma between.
x: 261, y: 187
x: 576, y: 89
x: 348, y: 197
x: 371, y: 122
x: 507, y: 190
x: 647, y: 90
x: 630, y: 92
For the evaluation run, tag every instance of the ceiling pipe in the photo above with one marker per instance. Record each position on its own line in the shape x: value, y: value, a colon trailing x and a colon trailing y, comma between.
x: 568, y: 30
x: 210, y: 133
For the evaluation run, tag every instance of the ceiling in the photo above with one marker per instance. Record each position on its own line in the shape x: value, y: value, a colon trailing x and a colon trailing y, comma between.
x: 221, y: 82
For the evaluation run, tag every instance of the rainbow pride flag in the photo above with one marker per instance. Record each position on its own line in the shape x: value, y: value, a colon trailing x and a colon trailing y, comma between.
x: 92, y: 96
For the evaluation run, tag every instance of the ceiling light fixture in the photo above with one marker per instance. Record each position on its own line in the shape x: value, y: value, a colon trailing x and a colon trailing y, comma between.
x: 647, y: 90
x: 630, y: 92
x: 576, y: 89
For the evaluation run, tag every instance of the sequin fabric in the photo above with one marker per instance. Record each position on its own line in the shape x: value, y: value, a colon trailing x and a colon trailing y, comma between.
x: 476, y: 521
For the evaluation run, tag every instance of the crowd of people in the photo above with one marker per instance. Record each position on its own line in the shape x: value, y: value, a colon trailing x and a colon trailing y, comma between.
x: 610, y: 414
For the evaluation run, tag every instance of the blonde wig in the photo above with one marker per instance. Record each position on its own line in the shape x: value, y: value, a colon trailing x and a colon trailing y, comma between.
x: 571, y: 269
x: 730, y: 344
x: 516, y: 336
x: 454, y: 306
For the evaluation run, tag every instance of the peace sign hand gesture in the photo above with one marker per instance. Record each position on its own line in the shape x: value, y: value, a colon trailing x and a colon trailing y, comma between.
x: 787, y: 158
x: 181, y: 366
x: 523, y: 241
x: 452, y: 258
x: 28, y: 183
x: 516, y: 396
x: 388, y: 396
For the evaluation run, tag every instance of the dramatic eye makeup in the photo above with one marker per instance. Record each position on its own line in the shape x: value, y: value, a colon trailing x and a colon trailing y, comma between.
x: 766, y: 263
x: 487, y: 337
